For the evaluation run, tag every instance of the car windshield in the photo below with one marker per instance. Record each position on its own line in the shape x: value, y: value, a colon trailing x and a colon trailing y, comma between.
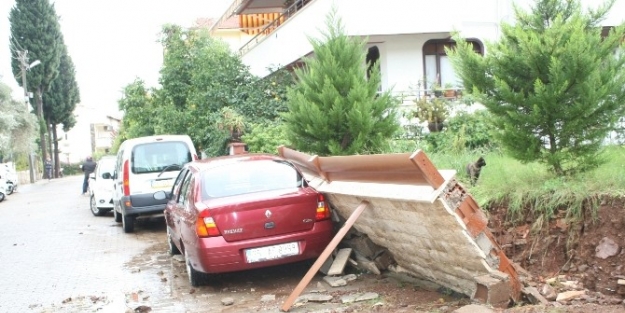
x: 248, y: 177
x: 156, y: 157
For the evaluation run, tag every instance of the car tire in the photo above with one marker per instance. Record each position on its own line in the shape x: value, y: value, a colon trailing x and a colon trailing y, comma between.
x: 2, y: 196
x: 196, y: 278
x: 94, y: 208
x: 10, y: 188
x: 128, y: 223
x: 117, y: 216
x: 173, y: 250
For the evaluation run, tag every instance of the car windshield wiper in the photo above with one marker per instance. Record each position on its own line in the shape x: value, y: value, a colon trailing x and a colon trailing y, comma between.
x: 169, y: 167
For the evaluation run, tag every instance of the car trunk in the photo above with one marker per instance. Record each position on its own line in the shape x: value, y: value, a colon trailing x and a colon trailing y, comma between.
x: 262, y: 214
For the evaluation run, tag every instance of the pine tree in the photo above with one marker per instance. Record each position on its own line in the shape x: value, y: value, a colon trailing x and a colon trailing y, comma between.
x: 35, y: 28
x: 553, y: 83
x: 333, y: 108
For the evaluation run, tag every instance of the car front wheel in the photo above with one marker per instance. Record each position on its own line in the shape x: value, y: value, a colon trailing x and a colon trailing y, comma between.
x: 94, y: 208
x: 173, y: 250
x: 117, y: 216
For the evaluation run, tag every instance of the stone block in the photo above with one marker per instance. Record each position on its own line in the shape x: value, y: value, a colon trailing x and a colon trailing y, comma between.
x: 493, y: 291
x: 534, y: 296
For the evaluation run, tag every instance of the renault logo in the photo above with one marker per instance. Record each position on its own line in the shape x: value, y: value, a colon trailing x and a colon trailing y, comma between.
x: 268, y: 214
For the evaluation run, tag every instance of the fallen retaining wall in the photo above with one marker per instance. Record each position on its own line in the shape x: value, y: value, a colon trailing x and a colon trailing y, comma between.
x: 430, y: 224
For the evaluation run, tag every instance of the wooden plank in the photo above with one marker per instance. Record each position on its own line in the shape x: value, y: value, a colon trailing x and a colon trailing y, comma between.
x: 340, y: 261
x: 324, y: 255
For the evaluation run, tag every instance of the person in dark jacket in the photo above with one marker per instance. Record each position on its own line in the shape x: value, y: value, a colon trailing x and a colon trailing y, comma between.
x: 88, y: 167
x: 48, y: 167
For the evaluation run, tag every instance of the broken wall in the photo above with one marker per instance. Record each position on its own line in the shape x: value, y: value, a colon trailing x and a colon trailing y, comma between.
x: 432, y: 227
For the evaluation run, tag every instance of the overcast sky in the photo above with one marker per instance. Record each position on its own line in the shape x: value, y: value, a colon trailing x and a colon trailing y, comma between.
x: 111, y: 42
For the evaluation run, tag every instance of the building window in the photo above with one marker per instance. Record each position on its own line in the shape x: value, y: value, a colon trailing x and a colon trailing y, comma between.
x: 437, y: 67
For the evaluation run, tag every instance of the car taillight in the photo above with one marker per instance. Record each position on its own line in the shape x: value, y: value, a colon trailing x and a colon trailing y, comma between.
x: 323, y: 211
x: 205, y: 226
x: 126, y: 178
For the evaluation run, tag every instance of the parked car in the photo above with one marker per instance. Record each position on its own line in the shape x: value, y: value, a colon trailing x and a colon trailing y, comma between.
x: 145, y: 165
x: 101, y: 186
x: 242, y: 212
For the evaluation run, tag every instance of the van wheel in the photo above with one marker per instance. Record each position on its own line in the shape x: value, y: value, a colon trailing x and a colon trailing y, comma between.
x: 195, y: 278
x: 173, y: 250
x: 117, y: 216
x: 128, y: 223
x: 94, y: 208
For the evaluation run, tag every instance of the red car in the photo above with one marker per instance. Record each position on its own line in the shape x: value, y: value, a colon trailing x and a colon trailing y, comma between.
x: 242, y: 212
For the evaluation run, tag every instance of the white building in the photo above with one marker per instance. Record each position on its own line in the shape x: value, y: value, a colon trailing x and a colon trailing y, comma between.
x: 94, y: 131
x: 407, y: 37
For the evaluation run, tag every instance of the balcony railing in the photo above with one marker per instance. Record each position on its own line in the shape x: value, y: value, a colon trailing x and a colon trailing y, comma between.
x: 229, y: 12
x: 271, y: 27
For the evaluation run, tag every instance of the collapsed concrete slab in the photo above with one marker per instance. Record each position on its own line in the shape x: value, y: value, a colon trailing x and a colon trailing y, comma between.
x: 431, y: 225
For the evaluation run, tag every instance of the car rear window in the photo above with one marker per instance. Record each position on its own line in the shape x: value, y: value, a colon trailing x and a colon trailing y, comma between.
x: 248, y: 177
x: 106, y: 166
x: 155, y: 157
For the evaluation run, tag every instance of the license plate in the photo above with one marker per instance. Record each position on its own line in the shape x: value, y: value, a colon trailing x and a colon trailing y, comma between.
x: 271, y: 252
x: 161, y: 184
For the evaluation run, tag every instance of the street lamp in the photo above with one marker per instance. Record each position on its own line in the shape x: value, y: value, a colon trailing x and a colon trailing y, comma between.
x: 23, y: 57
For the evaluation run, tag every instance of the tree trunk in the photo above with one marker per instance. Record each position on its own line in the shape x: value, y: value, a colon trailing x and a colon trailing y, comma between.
x: 42, y: 134
x: 57, y: 163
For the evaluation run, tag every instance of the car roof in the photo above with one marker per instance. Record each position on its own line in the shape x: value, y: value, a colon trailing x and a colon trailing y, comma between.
x: 209, y: 163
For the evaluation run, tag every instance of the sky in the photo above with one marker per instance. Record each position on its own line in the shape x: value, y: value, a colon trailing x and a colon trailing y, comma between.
x: 111, y: 42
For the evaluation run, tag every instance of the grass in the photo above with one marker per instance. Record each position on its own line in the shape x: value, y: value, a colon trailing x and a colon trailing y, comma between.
x: 533, y: 189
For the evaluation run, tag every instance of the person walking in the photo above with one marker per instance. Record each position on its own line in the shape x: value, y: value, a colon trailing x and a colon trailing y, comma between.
x: 87, y: 167
x: 48, y: 167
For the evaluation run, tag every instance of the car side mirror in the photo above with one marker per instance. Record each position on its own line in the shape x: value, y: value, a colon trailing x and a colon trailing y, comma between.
x: 107, y: 175
x: 162, y: 195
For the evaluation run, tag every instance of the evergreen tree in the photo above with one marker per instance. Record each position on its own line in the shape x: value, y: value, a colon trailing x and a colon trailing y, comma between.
x: 35, y: 28
x: 139, y: 113
x: 60, y: 101
x: 553, y: 84
x: 333, y: 108
x: 17, y: 125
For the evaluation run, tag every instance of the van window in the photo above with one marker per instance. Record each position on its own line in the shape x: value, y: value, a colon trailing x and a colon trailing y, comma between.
x: 155, y: 157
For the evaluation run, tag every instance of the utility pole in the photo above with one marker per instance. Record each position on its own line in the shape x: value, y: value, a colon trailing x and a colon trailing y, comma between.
x: 24, y: 66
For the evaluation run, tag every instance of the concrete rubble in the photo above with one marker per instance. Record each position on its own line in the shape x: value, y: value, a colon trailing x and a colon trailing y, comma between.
x: 419, y: 220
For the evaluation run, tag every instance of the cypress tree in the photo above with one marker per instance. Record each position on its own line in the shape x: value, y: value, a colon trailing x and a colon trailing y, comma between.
x: 552, y: 82
x: 60, y: 101
x: 333, y: 108
x: 35, y: 28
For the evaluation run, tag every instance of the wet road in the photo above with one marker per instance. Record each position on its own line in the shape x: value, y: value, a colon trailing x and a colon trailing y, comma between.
x: 55, y: 256
x: 53, y: 250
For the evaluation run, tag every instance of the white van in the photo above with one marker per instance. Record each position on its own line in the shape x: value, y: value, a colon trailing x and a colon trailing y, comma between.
x: 145, y: 165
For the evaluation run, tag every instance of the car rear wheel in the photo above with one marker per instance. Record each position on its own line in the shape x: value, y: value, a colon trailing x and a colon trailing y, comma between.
x: 173, y: 250
x: 195, y: 278
x: 2, y: 196
x: 128, y: 223
x: 94, y: 208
